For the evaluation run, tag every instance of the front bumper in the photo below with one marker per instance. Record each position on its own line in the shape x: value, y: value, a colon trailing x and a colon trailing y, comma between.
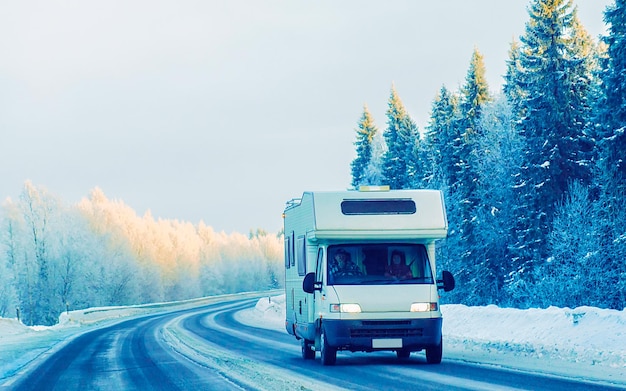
x: 394, y: 334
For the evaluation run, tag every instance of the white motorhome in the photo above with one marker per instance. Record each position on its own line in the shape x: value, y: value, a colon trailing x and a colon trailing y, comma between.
x: 343, y: 290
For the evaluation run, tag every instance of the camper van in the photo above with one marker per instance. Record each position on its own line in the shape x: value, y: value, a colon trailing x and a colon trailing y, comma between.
x: 360, y: 272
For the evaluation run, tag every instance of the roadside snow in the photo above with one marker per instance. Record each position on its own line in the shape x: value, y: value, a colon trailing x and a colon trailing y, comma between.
x: 269, y: 313
x: 585, y: 334
x: 584, y: 343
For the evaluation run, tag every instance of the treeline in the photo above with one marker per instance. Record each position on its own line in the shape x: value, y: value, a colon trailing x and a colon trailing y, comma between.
x: 534, y: 176
x: 99, y: 253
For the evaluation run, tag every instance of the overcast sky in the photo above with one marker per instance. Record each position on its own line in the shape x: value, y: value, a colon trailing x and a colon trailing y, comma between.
x: 221, y: 111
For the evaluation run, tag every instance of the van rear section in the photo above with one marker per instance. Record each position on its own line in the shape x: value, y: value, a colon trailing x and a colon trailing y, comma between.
x: 360, y: 272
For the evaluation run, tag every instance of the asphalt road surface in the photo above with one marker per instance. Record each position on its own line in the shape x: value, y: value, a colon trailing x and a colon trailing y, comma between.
x: 205, y: 348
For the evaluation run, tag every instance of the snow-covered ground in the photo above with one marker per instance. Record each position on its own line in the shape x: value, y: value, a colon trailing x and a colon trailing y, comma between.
x: 584, y: 343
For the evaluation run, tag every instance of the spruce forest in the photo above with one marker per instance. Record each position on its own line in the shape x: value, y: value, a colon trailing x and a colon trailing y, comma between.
x: 534, y: 177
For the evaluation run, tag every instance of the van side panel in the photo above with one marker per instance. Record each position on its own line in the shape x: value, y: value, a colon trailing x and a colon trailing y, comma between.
x: 298, y: 219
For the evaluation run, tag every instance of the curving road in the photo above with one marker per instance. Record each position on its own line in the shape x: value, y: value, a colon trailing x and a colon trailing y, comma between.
x: 205, y: 348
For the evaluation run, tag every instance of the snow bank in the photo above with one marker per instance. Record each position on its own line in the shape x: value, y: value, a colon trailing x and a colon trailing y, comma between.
x: 268, y: 313
x: 11, y: 327
x: 585, y: 334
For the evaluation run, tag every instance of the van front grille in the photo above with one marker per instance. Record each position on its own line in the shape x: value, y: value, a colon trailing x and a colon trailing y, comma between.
x: 386, y: 329
x: 386, y: 323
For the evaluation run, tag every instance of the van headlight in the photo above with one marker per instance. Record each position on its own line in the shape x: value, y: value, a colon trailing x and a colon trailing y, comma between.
x: 349, y: 308
x: 423, y: 307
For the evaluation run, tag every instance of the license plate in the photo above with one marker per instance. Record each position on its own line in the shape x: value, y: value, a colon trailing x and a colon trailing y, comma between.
x: 386, y: 343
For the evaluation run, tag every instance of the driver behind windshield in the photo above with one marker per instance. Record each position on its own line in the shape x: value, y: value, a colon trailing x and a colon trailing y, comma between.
x: 342, y: 265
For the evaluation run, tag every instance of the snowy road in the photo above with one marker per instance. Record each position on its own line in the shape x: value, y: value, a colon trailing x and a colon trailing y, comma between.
x: 206, y: 348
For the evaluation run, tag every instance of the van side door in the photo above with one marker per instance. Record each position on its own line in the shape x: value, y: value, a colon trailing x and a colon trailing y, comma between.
x: 319, y: 277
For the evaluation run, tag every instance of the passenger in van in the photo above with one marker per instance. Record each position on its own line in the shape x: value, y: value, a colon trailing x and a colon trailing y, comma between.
x: 398, y: 267
x: 342, y: 265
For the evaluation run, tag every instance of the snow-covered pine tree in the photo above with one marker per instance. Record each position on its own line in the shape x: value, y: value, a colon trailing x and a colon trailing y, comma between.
x: 553, y: 82
x: 365, y: 133
x: 401, y: 137
x: 439, y: 140
x: 612, y: 111
x: 610, y: 122
x: 583, y: 78
x: 573, y: 275
x: 438, y: 173
x: 513, y: 87
x: 497, y: 160
x: 474, y: 95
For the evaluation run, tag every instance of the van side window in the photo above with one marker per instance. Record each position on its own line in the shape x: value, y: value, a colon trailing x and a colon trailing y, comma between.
x: 292, y: 256
x: 287, y: 252
x: 320, y: 262
x: 301, y: 255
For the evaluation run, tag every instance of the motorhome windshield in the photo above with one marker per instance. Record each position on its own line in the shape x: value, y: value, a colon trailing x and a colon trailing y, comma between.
x: 378, y: 264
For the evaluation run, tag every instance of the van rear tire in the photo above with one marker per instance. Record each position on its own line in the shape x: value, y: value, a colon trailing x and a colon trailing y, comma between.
x: 307, y: 352
x: 328, y: 353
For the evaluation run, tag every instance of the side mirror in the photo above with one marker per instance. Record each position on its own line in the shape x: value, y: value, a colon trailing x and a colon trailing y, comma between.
x: 309, y: 285
x: 447, y: 282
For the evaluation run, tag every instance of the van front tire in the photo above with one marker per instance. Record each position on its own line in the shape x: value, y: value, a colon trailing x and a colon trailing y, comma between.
x: 403, y: 354
x: 434, y: 354
x: 328, y: 353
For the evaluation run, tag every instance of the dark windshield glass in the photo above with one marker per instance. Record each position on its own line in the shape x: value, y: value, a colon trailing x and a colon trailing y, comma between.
x: 378, y: 264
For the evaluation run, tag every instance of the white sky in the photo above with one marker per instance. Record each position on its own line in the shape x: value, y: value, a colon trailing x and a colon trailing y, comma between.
x: 223, y: 110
